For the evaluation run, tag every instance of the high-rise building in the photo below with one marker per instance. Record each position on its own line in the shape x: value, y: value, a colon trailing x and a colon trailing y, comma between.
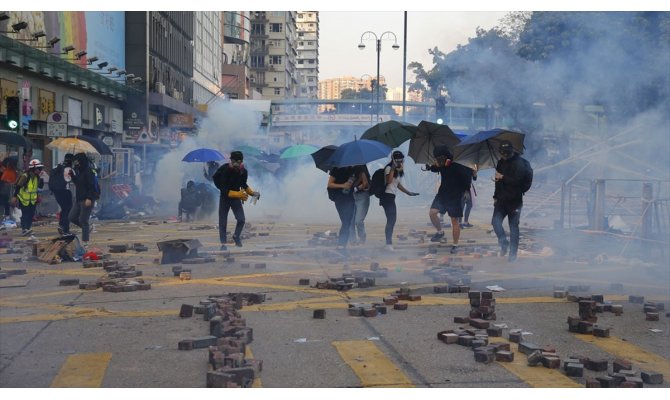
x: 331, y: 89
x: 273, y: 54
x: 308, y: 54
x: 236, y: 44
x: 206, y: 56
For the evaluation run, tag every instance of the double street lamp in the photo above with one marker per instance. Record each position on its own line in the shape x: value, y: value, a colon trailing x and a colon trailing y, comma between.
x: 369, y: 35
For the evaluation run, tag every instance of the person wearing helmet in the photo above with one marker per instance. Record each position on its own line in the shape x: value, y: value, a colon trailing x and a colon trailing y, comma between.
x: 26, y: 194
x: 393, y: 173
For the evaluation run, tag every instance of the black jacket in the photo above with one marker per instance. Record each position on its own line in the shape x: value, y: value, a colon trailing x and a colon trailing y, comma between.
x: 227, y: 178
x: 455, y: 180
x: 514, y: 171
x: 83, y: 179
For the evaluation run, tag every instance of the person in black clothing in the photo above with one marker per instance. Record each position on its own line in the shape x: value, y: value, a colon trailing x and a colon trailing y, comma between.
x: 62, y: 192
x: 340, y: 184
x: 455, y: 180
x: 511, y: 172
x: 231, y: 180
x: 468, y: 202
x: 85, y: 195
x: 189, y: 203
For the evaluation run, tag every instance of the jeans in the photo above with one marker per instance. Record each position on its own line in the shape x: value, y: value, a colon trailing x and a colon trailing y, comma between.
x: 345, y: 210
x: 79, y: 215
x: 388, y: 203
x: 361, y: 206
x: 27, y: 214
x: 64, y: 200
x: 467, y: 205
x: 513, y: 213
x: 225, y: 205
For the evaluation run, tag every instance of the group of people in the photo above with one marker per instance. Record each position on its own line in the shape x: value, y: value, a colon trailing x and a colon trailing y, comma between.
x: 349, y: 187
x: 21, y: 190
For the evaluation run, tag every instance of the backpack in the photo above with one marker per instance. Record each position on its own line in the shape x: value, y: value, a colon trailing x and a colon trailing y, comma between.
x: 96, y: 185
x: 56, y: 179
x: 377, y: 183
x: 527, y: 180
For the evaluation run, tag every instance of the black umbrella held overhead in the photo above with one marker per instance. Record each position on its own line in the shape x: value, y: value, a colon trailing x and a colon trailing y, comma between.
x: 391, y: 133
x: 322, y: 155
x: 14, y: 139
x: 98, y: 144
x: 480, y: 151
x: 428, y: 136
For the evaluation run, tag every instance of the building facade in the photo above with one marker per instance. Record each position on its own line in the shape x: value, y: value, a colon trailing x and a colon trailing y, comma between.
x: 307, y: 24
x: 331, y: 89
x: 235, y: 79
x: 207, y: 44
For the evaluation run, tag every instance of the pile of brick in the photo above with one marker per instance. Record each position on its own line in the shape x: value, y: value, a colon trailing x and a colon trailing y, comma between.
x: 651, y: 309
x: 119, y: 278
x: 622, y: 375
x: 323, y: 239
x: 227, y: 339
x: 357, y: 278
x: 585, y: 323
x: 477, y: 339
x: 365, y: 310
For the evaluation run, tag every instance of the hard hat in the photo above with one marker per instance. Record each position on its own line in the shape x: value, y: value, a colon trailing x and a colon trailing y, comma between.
x: 35, y: 163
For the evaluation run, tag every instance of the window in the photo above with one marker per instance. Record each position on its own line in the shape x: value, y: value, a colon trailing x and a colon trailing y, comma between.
x: 311, y: 61
x: 310, y: 79
x: 277, y: 91
x: 275, y: 60
x: 275, y: 27
x: 274, y: 79
x: 300, y: 62
x: 301, y: 43
x: 258, y: 29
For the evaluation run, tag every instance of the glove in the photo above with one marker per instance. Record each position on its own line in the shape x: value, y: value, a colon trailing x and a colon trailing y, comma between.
x: 238, y: 194
x: 413, y: 194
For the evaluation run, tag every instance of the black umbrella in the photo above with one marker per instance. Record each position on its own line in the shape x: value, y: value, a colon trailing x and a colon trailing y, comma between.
x: 428, y: 136
x: 480, y: 151
x: 322, y: 155
x: 391, y: 133
x: 99, y: 145
x: 14, y: 139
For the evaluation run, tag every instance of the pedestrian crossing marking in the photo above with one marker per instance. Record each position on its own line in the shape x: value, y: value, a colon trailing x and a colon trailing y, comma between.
x: 371, y: 365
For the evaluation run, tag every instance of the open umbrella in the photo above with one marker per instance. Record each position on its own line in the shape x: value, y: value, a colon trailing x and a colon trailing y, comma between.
x: 249, y: 150
x: 391, y: 133
x: 99, y: 145
x: 72, y: 145
x: 481, y: 150
x: 322, y: 156
x: 357, y: 152
x: 298, y: 150
x: 14, y: 139
x: 428, y: 136
x: 203, y: 155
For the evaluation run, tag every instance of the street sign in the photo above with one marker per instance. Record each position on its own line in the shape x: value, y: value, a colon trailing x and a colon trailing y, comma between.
x: 57, y: 124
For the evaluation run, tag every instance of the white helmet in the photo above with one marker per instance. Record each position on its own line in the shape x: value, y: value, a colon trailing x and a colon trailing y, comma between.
x: 35, y: 163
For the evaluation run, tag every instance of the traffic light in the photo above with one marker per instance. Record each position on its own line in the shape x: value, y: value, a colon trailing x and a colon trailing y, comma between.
x: 13, y: 113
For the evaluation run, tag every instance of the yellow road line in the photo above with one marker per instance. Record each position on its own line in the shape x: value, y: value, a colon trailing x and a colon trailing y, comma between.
x: 537, y: 377
x: 371, y: 366
x: 626, y: 350
x: 249, y: 356
x: 82, y: 371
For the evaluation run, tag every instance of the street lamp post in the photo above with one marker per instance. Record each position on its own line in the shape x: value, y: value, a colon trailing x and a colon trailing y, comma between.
x: 368, y: 35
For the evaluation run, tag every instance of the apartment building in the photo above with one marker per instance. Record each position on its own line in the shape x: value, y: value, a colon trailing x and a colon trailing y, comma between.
x: 331, y: 89
x: 308, y: 54
x: 206, y: 56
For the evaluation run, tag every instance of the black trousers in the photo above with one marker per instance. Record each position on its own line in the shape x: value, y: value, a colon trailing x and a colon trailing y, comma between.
x: 225, y: 205
x: 64, y: 200
x: 345, y: 210
x: 388, y: 203
x: 79, y: 215
x: 27, y: 214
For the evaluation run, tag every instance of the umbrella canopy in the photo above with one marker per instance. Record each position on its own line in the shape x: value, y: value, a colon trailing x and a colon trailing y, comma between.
x: 481, y: 150
x: 249, y: 150
x: 358, y: 152
x: 14, y: 139
x: 203, y: 155
x: 322, y: 156
x: 72, y: 145
x: 298, y: 150
x: 99, y: 145
x: 391, y: 133
x: 428, y: 136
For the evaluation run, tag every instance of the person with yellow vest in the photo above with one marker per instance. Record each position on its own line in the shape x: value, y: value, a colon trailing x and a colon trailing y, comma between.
x: 26, y: 194
x: 231, y: 180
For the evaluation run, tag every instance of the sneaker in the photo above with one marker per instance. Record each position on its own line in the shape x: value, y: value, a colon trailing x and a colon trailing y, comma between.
x: 389, y: 247
x: 61, y: 231
x: 466, y: 225
x: 223, y: 247
x: 511, y: 258
x: 437, y: 236
x: 27, y: 232
x: 237, y: 241
x: 503, y: 250
x: 454, y: 249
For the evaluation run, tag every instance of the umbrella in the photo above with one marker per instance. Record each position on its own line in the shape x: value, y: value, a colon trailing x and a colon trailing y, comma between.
x: 391, y: 133
x: 99, y: 145
x: 481, y: 150
x: 203, y: 155
x: 357, y: 152
x: 322, y: 155
x: 298, y: 150
x: 249, y: 150
x: 72, y: 145
x: 14, y: 139
x: 428, y: 136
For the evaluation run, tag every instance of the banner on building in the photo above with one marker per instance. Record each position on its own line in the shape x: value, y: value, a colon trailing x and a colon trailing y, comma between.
x: 180, y: 121
x: 47, y: 104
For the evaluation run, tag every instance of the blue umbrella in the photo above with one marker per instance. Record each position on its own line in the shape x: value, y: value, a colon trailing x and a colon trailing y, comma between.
x: 203, y: 155
x: 358, y: 152
x: 481, y: 149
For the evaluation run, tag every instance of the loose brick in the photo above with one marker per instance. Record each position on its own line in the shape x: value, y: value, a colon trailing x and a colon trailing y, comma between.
x: 636, y: 299
x: 617, y: 309
x: 528, y: 347
x: 606, y: 381
x: 592, y: 383
x: 652, y: 378
x: 598, y: 298
x: 652, y: 316
x: 649, y: 308
x: 494, y: 331
x: 632, y: 382
x: 585, y: 327
x: 514, y: 337
x: 218, y: 379
x: 303, y: 282
x: 370, y: 312
x: 551, y: 362
x: 474, y: 295
x: 186, y: 311
x: 466, y: 340
x: 449, y: 338
x: 601, y: 331
x: 596, y: 365
x: 534, y: 358
x: 502, y: 346
x: 381, y: 309
x: 479, y: 323
x: 484, y: 356
x: 68, y: 282
x: 400, y: 306
x: 319, y: 314
x: 185, y: 345
x: 621, y: 364
x: 504, y: 356
x: 461, y: 320
x: 574, y: 369
x: 355, y: 311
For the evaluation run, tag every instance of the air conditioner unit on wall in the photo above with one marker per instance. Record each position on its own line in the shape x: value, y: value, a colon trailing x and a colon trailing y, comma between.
x: 31, y: 66
x: 60, y: 76
x: 46, y: 71
x: 15, y: 60
x: 160, y: 87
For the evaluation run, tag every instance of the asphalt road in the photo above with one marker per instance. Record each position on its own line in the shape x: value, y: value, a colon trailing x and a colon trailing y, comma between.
x: 62, y: 336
